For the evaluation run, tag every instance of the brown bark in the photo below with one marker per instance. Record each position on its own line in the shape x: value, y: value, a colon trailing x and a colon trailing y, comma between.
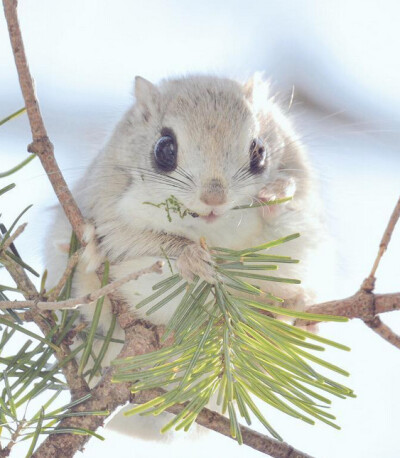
x: 41, y: 144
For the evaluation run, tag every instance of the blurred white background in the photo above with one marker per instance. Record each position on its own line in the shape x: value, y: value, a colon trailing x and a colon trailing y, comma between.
x: 341, y: 57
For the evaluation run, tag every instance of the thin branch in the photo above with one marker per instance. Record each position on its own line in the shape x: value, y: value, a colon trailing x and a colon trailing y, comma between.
x: 20, y: 229
x: 386, y: 237
x: 221, y: 424
x: 23, y: 316
x: 41, y: 144
x: 72, y: 262
x: 368, y: 284
x: 88, y: 298
x: 383, y: 330
x: 365, y: 306
x: 362, y: 305
x: 6, y: 451
x: 19, y: 275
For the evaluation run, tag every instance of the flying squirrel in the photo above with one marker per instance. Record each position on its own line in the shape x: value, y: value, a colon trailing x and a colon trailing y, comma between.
x: 214, y: 144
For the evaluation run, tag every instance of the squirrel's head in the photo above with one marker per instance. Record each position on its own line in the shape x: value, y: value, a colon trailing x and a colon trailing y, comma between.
x: 210, y: 142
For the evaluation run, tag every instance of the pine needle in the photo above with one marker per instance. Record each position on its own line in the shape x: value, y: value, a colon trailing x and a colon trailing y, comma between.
x: 226, y: 344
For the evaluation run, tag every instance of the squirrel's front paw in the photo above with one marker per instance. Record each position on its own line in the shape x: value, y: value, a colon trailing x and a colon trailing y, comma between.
x: 91, y: 257
x: 196, y: 260
x: 279, y: 189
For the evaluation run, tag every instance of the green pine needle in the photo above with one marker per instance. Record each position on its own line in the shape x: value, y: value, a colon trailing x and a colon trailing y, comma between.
x: 95, y: 323
x: 12, y: 116
x: 226, y: 346
x: 18, y: 166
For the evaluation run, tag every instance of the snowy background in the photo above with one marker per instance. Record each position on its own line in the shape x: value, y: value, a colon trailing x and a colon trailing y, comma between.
x: 342, y: 59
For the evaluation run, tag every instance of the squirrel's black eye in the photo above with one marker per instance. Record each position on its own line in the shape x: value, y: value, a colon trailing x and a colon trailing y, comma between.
x: 257, y: 156
x: 165, y: 153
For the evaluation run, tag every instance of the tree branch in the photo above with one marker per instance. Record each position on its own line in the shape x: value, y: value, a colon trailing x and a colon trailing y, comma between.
x: 140, y: 339
x: 387, y: 235
x: 20, y: 277
x: 362, y: 305
x: 20, y: 229
x: 88, y: 299
x: 41, y: 144
x: 221, y: 424
x: 72, y: 262
x: 383, y: 330
x: 368, y: 285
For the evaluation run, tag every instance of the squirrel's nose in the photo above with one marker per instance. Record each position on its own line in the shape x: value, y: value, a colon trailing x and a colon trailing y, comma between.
x: 214, y: 193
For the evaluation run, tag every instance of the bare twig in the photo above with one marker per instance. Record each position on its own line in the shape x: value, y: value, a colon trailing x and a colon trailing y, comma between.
x: 72, y: 262
x: 89, y: 298
x: 368, y: 285
x: 20, y: 229
x: 386, y: 237
x: 383, y: 330
x: 6, y: 451
x: 362, y: 305
x: 20, y: 277
x: 23, y: 316
x: 41, y: 144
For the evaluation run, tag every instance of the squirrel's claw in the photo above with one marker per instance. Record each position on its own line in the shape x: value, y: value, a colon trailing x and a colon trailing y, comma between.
x: 196, y: 260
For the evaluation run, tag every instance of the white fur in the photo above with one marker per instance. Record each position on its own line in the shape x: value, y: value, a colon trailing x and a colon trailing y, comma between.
x: 214, y: 121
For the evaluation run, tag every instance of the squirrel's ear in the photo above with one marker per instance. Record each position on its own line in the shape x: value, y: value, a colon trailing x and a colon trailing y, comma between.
x: 256, y: 90
x: 146, y: 93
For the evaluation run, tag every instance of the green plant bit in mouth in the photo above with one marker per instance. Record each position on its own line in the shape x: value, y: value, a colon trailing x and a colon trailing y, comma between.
x: 172, y: 205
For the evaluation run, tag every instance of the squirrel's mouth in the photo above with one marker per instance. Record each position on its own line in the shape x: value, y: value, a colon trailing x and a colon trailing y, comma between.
x: 210, y: 218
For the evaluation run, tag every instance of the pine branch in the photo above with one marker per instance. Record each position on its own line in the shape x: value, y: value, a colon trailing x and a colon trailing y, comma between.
x: 142, y: 338
x: 383, y: 330
x: 225, y: 344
